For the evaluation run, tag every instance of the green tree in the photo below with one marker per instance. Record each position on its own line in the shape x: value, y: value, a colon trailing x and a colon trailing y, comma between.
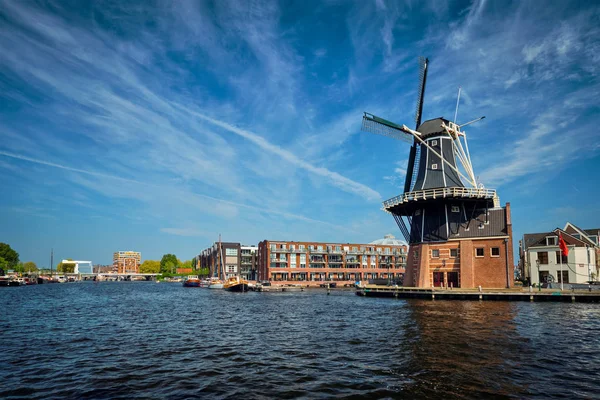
x: 150, y: 267
x: 3, y: 264
x: 67, y: 268
x: 169, y: 267
x: 9, y: 255
x: 186, y: 264
x: 29, y: 266
x: 172, y: 260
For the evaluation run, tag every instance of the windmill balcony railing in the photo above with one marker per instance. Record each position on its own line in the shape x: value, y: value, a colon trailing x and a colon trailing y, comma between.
x: 439, y: 193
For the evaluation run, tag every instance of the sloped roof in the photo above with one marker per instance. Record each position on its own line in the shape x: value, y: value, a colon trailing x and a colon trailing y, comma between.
x: 539, y: 239
x: 571, y: 227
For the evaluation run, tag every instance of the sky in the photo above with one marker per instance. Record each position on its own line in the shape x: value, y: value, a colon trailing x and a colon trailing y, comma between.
x: 155, y: 126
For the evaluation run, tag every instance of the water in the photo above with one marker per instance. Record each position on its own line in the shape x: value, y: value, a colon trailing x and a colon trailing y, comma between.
x: 148, y: 340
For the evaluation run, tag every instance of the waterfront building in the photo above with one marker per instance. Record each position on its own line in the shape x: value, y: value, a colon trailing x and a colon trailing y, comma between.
x: 541, y: 256
x: 459, y: 234
x: 127, y: 261
x: 229, y: 259
x: 315, y: 263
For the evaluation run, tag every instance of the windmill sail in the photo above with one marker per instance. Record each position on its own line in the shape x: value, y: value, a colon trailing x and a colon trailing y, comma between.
x: 415, y: 149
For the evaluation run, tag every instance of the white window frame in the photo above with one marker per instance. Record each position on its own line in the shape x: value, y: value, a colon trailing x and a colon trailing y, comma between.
x: 438, y: 253
x: 481, y: 256
x: 434, y: 166
x: 492, y: 255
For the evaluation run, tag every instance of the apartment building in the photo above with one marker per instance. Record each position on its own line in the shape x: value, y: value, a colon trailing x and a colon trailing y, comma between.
x: 542, y: 261
x: 316, y: 262
x: 127, y: 262
x: 228, y: 259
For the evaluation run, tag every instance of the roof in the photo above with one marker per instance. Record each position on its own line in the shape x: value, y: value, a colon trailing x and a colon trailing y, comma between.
x: 433, y: 126
x: 389, y: 240
x: 539, y: 239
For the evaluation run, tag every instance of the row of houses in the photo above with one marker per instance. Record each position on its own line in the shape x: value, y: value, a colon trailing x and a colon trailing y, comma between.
x: 541, y: 260
x: 307, y: 262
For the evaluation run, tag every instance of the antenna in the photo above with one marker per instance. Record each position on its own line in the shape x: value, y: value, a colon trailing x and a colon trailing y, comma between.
x: 457, y: 102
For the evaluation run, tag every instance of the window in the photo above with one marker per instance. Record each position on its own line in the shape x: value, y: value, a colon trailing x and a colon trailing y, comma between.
x: 543, y: 257
x: 320, y: 248
x: 231, y: 252
x: 550, y: 241
x: 302, y: 258
x: 495, y: 251
x: 338, y: 248
x: 355, y: 249
x: 435, y: 253
x: 576, y: 235
x: 231, y: 268
x: 564, y: 259
x: 273, y: 247
x: 434, y: 166
x: 455, y: 209
x: 479, y: 252
x: 434, y: 143
x: 292, y: 247
x: 283, y: 246
x: 301, y: 247
x: 454, y: 253
x: 594, y: 238
x: 416, y: 254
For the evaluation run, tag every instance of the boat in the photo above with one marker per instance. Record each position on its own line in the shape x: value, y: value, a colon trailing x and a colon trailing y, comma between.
x: 293, y: 288
x: 215, y: 283
x: 236, y: 284
x: 204, y: 283
x: 16, y: 282
x: 191, y: 281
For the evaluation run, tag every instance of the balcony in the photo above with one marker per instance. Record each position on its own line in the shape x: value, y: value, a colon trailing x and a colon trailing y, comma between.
x: 278, y: 250
x: 451, y: 192
x: 317, y: 251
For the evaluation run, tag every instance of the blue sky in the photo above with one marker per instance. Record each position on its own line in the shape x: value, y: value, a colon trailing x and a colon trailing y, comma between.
x: 155, y: 126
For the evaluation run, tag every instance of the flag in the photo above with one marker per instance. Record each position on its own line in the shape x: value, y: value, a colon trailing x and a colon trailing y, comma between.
x: 563, y: 246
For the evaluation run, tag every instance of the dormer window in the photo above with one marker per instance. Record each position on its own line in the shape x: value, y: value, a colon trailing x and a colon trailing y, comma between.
x: 551, y: 241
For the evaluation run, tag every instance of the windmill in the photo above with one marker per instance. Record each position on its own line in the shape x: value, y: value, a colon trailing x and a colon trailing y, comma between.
x: 442, y: 198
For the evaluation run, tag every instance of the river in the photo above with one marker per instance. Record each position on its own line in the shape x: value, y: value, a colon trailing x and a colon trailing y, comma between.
x: 147, y: 340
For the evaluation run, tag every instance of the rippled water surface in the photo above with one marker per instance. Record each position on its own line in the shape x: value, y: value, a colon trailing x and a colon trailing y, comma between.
x: 148, y: 340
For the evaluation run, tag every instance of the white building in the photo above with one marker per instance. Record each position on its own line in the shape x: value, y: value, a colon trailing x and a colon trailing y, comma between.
x: 542, y: 256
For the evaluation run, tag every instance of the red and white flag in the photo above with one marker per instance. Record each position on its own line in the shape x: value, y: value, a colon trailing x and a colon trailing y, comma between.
x: 563, y: 246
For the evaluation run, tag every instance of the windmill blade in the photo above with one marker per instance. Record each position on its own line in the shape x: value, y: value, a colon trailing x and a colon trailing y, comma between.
x: 423, y: 64
x: 380, y: 126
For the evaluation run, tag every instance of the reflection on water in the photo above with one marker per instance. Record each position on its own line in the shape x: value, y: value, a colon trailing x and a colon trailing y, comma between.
x: 124, y: 340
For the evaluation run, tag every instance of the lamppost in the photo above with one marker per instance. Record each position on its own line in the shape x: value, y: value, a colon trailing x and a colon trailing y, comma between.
x: 537, y: 261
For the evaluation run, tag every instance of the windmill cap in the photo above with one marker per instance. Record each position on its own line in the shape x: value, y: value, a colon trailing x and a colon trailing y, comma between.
x: 433, y: 127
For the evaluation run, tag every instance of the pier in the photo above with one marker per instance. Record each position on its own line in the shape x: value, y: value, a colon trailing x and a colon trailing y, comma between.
x: 576, y: 296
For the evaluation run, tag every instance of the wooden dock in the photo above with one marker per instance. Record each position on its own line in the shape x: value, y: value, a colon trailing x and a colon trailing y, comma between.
x: 577, y: 296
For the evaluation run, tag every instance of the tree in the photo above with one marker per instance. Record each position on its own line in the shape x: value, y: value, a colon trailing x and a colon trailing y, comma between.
x: 187, y: 264
x: 30, y: 266
x: 150, y: 267
x: 168, y: 258
x: 67, y: 268
x: 9, y: 255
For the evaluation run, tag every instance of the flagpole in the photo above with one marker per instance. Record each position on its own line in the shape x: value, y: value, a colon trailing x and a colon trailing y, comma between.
x: 561, y: 274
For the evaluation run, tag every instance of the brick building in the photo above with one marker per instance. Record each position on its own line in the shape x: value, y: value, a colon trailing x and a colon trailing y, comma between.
x: 315, y: 262
x: 127, y: 261
x: 477, y: 255
x: 227, y: 259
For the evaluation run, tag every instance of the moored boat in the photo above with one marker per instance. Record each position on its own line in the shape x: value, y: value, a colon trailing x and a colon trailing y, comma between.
x: 191, y: 281
x: 215, y: 283
x: 236, y: 284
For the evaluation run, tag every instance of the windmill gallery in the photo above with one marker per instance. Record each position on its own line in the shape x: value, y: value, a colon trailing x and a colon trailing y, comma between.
x: 459, y: 234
